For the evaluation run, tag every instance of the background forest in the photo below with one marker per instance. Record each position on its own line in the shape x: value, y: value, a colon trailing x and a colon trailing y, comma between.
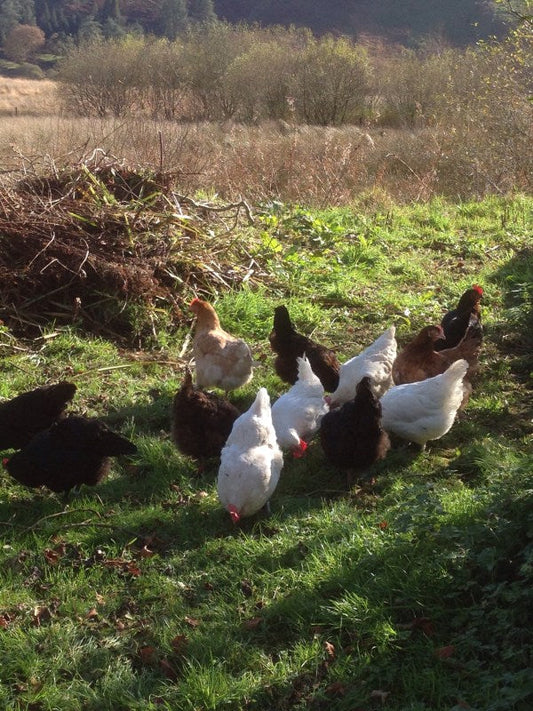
x: 458, y: 22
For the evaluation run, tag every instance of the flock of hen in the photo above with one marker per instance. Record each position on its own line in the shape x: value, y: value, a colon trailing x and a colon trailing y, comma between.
x: 414, y: 394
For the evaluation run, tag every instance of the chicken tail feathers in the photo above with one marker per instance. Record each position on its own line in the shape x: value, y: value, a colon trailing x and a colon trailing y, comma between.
x: 282, y: 321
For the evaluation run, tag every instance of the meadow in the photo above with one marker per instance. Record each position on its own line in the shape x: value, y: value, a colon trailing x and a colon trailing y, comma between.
x: 410, y: 590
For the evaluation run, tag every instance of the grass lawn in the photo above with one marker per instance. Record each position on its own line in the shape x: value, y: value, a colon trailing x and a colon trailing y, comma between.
x: 409, y: 591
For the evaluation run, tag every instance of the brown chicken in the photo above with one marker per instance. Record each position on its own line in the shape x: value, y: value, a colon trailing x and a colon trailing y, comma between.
x: 419, y: 359
x: 221, y: 360
x: 289, y: 345
x: 455, y: 323
x: 31, y: 412
x: 201, y: 421
x: 352, y: 436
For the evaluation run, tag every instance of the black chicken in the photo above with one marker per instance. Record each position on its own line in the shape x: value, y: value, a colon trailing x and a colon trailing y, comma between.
x: 29, y: 413
x: 352, y: 436
x: 455, y: 323
x: 72, y: 452
x: 288, y: 344
x: 201, y: 421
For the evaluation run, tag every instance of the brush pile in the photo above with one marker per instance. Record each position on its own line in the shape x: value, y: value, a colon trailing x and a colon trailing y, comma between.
x: 114, y: 250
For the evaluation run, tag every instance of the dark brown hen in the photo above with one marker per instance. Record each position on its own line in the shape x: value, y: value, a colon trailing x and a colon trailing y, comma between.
x: 29, y: 413
x: 455, y: 323
x: 201, y: 421
x: 352, y: 436
x: 72, y: 452
x: 289, y: 345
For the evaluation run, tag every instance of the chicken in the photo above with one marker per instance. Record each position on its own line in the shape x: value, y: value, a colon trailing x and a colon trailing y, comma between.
x: 201, y: 421
x: 426, y: 409
x: 419, y: 359
x: 290, y: 345
x: 222, y: 360
x: 29, y: 413
x: 375, y: 361
x: 352, y: 436
x: 250, y: 462
x: 72, y: 452
x: 455, y: 323
x: 297, y: 413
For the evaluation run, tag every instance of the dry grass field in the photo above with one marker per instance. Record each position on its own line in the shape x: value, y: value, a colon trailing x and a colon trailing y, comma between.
x: 313, y: 165
x: 27, y: 97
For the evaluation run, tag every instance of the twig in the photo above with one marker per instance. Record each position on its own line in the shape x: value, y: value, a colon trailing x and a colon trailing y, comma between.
x: 42, y: 250
x: 37, y: 523
x: 98, y: 524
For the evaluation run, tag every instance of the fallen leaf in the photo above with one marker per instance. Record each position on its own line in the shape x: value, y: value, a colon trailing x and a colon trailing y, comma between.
x: 336, y: 689
x: 330, y: 649
x: 381, y: 695
x: 52, y: 556
x: 147, y: 654
x: 252, y: 623
x: 41, y: 614
x: 93, y: 612
x: 145, y: 552
x: 179, y: 643
x: 4, y: 621
x: 246, y: 588
x: 167, y: 669
x: 191, y: 621
x: 445, y: 652
x: 424, y: 624
x: 383, y: 525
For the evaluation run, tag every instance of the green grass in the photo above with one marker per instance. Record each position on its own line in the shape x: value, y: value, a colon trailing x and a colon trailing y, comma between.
x: 408, y: 593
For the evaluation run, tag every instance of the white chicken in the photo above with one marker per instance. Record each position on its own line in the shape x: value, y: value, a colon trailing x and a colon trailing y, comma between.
x: 250, y: 462
x: 375, y: 362
x: 426, y: 409
x: 221, y: 360
x: 297, y: 413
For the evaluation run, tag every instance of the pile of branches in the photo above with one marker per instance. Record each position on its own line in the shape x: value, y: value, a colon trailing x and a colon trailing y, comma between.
x: 114, y: 250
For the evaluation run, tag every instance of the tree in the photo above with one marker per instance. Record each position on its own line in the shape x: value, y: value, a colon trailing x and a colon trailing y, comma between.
x: 14, y: 12
x: 332, y: 81
x: 90, y: 29
x: 23, y: 41
x: 202, y: 11
x: 173, y: 18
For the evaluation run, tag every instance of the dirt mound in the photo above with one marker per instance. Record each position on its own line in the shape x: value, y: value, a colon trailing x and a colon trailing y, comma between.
x: 114, y: 250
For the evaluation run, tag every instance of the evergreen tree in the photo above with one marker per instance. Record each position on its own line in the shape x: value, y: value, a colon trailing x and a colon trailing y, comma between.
x: 173, y: 18
x: 15, y: 12
x: 202, y: 11
x: 90, y: 29
x: 110, y: 10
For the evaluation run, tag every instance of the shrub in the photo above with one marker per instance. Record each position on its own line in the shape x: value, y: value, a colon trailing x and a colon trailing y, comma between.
x: 331, y: 81
x: 103, y: 77
x: 22, y: 42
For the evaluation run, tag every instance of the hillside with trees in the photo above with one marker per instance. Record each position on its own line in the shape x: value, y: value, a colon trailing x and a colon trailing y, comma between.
x: 456, y: 22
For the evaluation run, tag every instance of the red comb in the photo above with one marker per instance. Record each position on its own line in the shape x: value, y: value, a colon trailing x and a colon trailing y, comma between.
x: 5, y: 460
x: 194, y: 301
x: 478, y: 288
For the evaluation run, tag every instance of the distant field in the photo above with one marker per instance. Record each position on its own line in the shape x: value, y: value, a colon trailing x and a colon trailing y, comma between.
x: 27, y: 97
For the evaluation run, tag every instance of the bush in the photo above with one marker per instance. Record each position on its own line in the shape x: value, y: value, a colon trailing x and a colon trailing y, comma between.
x: 331, y: 82
x: 103, y: 77
x: 22, y: 42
